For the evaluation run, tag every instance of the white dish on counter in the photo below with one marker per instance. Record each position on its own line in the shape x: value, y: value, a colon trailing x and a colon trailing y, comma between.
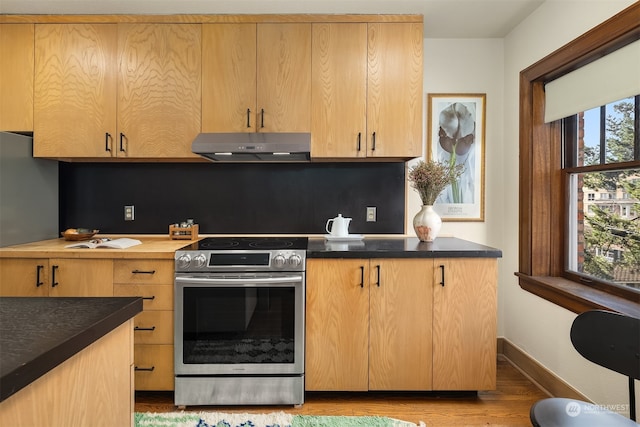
x: 347, y: 238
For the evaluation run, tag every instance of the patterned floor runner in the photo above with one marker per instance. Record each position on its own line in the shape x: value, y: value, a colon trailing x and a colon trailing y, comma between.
x: 275, y: 419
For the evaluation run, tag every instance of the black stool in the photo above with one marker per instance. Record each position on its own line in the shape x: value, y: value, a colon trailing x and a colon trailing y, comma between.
x: 611, y: 340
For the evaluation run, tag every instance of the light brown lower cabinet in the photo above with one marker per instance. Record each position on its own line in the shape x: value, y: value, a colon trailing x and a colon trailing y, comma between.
x: 154, y: 367
x: 368, y: 324
x: 465, y: 324
x: 92, y: 388
x: 56, y: 277
x: 390, y: 324
x: 151, y: 279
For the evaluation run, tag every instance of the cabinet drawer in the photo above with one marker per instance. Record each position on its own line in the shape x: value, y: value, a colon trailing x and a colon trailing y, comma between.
x: 153, y: 327
x: 153, y: 367
x: 143, y: 271
x: 156, y: 297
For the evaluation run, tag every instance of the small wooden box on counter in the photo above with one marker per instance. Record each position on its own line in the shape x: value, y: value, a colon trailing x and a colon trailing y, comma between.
x: 183, y: 233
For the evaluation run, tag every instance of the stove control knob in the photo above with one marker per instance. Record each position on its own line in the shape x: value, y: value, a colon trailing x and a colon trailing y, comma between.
x: 295, y: 260
x: 184, y: 260
x: 200, y: 260
x: 279, y: 260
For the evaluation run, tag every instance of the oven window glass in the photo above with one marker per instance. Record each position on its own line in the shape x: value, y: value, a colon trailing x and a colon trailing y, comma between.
x: 238, y: 325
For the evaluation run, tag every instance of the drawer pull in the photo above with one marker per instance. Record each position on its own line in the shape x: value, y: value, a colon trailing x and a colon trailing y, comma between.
x: 39, y: 282
x: 143, y: 272
x: 138, y: 328
x: 54, y: 282
x: 150, y: 298
x: 151, y: 369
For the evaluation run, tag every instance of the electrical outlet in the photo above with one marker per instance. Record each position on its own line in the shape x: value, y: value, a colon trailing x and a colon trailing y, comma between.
x: 371, y: 214
x: 129, y: 213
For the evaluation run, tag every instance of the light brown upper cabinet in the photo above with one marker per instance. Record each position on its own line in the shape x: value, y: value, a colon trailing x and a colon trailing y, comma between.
x: 16, y: 77
x: 367, y: 90
x: 339, y: 90
x: 256, y: 77
x: 159, y: 89
x: 116, y: 90
x: 75, y: 90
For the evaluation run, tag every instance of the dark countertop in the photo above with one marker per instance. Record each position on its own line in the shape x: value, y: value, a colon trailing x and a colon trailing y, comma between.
x: 401, y: 247
x: 38, y: 334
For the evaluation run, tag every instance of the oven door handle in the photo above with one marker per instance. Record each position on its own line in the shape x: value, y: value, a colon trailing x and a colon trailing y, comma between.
x: 238, y: 280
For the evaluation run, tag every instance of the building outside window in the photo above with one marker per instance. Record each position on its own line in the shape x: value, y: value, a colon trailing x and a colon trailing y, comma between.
x: 600, y: 147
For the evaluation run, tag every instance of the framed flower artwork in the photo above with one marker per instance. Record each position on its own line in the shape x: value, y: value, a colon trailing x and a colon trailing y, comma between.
x: 456, y: 135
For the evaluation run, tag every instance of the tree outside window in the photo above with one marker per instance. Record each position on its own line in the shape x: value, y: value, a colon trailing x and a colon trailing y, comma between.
x: 604, y: 232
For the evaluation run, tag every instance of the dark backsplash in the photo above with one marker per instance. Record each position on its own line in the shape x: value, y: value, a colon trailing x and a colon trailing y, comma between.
x: 226, y: 198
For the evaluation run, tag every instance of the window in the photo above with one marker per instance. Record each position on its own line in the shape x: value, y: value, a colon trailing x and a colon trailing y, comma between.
x: 544, y: 187
x: 604, y: 235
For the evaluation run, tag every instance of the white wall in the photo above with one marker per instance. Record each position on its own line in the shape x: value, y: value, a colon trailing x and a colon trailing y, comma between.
x: 469, y: 66
x: 533, y: 324
x: 492, y: 66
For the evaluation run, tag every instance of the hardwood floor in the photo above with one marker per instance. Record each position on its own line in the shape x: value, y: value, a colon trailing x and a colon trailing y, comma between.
x: 507, y: 406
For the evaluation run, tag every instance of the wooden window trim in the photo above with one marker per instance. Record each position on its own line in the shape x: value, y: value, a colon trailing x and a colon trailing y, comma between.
x: 542, y: 189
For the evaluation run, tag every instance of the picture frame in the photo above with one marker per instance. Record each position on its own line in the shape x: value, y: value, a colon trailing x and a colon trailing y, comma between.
x: 456, y: 124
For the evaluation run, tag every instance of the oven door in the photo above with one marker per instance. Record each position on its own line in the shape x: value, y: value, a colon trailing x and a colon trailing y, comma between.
x: 239, y: 324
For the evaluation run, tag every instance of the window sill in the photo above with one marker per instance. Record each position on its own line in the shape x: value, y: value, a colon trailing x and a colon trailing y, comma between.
x: 576, y: 297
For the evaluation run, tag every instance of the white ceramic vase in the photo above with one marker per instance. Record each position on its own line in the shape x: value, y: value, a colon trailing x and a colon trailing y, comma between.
x: 427, y: 224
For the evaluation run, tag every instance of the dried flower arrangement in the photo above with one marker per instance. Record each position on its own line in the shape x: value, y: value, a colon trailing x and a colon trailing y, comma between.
x: 430, y: 178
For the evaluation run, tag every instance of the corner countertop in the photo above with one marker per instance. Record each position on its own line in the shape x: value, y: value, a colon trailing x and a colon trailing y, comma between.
x: 38, y: 334
x: 400, y: 247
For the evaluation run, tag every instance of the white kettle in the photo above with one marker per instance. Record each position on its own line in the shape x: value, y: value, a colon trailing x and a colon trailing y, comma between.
x: 339, y: 226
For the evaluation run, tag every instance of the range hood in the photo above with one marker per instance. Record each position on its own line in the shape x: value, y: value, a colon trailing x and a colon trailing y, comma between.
x: 253, y: 147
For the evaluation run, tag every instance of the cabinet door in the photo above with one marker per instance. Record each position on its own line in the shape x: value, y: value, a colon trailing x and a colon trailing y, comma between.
x: 24, y: 277
x: 284, y: 77
x: 400, y: 324
x: 337, y: 325
x: 16, y: 77
x: 81, y: 277
x: 229, y: 78
x: 464, y: 324
x: 75, y: 86
x: 339, y: 90
x: 394, y: 91
x: 159, y: 90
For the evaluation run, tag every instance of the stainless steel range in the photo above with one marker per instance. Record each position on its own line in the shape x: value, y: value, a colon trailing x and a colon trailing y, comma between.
x: 239, y: 321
